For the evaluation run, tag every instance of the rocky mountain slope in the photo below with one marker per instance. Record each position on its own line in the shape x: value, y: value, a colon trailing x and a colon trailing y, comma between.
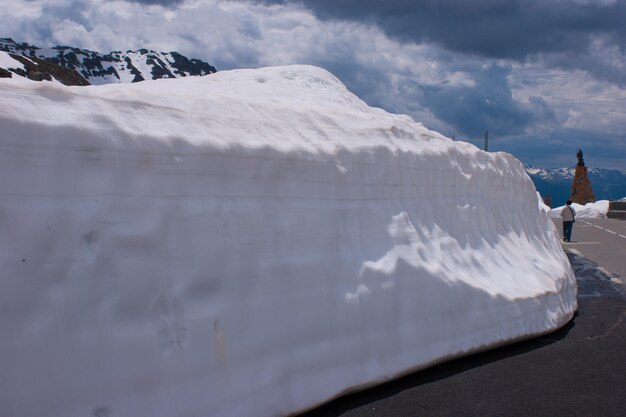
x: 113, y: 67
x: 37, y: 69
x: 607, y: 184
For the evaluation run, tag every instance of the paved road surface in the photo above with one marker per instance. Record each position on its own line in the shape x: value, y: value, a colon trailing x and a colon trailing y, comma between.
x: 602, y: 241
x: 579, y: 370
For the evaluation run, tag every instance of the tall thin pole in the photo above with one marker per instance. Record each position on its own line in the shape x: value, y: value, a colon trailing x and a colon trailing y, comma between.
x: 486, y: 141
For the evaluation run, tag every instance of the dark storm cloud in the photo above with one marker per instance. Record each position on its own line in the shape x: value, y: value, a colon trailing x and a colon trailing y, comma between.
x: 487, y: 105
x: 507, y: 29
x: 558, y: 147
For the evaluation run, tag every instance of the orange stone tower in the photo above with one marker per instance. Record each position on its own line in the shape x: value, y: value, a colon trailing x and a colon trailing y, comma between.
x: 581, y: 192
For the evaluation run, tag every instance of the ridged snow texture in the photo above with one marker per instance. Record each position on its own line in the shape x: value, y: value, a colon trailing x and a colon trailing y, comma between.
x: 250, y: 243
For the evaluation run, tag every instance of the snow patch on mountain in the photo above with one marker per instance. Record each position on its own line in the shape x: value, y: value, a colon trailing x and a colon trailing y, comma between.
x: 8, y: 62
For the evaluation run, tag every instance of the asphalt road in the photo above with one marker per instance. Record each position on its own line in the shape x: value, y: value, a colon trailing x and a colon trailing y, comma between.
x: 602, y: 241
x: 579, y: 370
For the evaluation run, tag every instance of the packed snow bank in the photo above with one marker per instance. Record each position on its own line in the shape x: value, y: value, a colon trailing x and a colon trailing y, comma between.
x: 542, y: 206
x: 597, y: 210
x: 250, y: 243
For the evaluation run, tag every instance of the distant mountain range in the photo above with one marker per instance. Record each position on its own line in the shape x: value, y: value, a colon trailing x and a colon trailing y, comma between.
x: 99, y: 68
x: 607, y: 184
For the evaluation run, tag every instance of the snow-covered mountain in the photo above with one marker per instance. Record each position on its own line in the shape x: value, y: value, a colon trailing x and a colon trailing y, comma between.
x: 607, y: 184
x: 114, y: 67
x: 37, y: 69
x: 251, y: 243
x: 551, y: 174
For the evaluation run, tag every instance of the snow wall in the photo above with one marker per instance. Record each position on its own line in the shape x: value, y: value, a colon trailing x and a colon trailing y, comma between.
x: 253, y: 242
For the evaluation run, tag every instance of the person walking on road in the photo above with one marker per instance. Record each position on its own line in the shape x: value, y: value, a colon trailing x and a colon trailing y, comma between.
x: 569, y: 217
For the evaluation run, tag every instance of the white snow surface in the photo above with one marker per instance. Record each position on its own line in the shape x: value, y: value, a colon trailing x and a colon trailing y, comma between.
x: 6, y: 61
x: 597, y: 210
x: 542, y: 206
x: 253, y: 242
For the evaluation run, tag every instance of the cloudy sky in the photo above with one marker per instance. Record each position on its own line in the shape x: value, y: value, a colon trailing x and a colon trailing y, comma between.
x: 544, y: 77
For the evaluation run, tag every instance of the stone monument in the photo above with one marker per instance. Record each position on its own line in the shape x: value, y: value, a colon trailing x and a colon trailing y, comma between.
x: 581, y: 192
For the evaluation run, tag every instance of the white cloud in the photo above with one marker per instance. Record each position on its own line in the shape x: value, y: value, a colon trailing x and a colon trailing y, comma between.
x: 68, y: 32
x: 579, y: 100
